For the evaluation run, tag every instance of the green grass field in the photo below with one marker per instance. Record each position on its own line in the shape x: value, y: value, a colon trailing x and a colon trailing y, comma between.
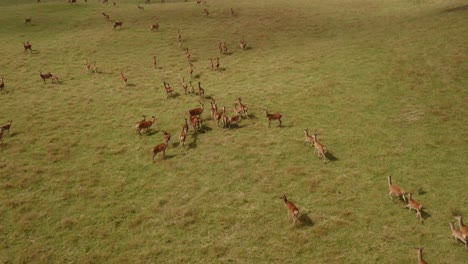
x: 384, y: 83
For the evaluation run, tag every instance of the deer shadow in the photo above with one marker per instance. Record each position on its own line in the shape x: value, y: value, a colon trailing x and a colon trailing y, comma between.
x: 174, y: 95
x: 221, y: 69
x: 228, y: 53
x: 205, y: 129
x: 305, y: 220
x: 460, y: 8
x: 248, y: 48
x: 197, y: 76
x: 193, y: 144
x: 425, y: 215
x: 330, y: 156
x: 131, y: 85
x: 151, y: 132
x: 251, y: 116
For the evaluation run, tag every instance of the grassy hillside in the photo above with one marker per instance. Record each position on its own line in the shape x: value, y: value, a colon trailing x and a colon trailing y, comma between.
x: 384, y: 83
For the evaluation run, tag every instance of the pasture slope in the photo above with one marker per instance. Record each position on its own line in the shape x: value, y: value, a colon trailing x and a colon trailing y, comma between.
x: 384, y: 83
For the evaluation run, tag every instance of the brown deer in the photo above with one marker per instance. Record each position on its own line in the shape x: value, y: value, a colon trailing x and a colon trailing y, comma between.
x: 201, y: 91
x: 320, y: 148
x: 414, y: 205
x: 420, y: 256
x: 187, y: 54
x: 225, y: 48
x: 192, y: 89
x: 183, y: 136
x: 224, y: 117
x: 179, y: 38
x: 106, y: 15
x: 184, y: 85
x: 95, y: 69
x: 234, y: 119
x: 293, y: 211
x: 7, y: 126
x: 458, y: 235
x: 154, y: 27
x: 243, y: 44
x: 308, y: 138
x: 212, y: 64
x: 275, y: 116
x: 185, y: 125
x: 196, y: 123
x: 2, y: 84
x: 105, y: 1
x: 220, y: 47
x: 45, y: 76
x: 144, y: 125
x: 243, y: 108
x: 141, y: 8
x: 167, y: 137
x: 87, y: 65
x: 72, y: 1
x: 27, y: 21
x: 124, y: 78
x: 27, y: 46
x: 214, y: 107
x: 395, y: 190
x: 463, y: 228
x: 217, y: 64
x: 190, y: 70
x: 197, y: 111
x: 155, y: 62
x: 117, y: 24
x: 160, y: 148
x: 55, y: 79
x: 169, y: 90
x: 206, y: 12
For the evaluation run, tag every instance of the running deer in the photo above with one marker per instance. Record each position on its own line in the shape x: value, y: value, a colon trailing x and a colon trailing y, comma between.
x: 243, y: 44
x: 201, y: 91
x: 124, y: 78
x: 167, y: 137
x: 413, y: 204
x: 87, y: 65
x: 155, y: 62
x: 2, y: 84
x: 160, y: 148
x: 117, y: 24
x: 293, y: 211
x: 458, y: 235
x: 154, y: 27
x: 144, y: 125
x: 169, y: 90
x: 395, y: 190
x: 308, y: 138
x: 420, y: 256
x: 45, y: 76
x: 217, y: 64
x: 7, y: 126
x: 27, y: 46
x: 27, y: 21
x: 183, y: 136
x: 243, y: 108
x: 463, y: 228
x: 106, y: 15
x: 320, y: 148
x: 184, y: 85
x: 196, y: 111
x: 275, y: 116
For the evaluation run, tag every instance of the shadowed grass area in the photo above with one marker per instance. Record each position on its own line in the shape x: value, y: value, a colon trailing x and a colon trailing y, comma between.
x: 383, y: 83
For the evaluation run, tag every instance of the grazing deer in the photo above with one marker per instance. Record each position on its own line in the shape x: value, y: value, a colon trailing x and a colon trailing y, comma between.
x: 27, y: 21
x: 243, y: 108
x: 413, y: 204
x: 197, y: 111
x: 458, y: 235
x: 395, y: 190
x: 196, y: 123
x: 184, y: 85
x: 293, y: 211
x: 27, y: 46
x: 117, y: 24
x: 167, y: 137
x: 154, y: 27
x: 320, y: 148
x: 201, y: 91
x: 141, y: 8
x: 2, y: 84
x: 206, y: 12
x: 105, y: 15
x: 45, y: 76
x: 190, y: 70
x: 420, y: 256
x: 144, y: 125
x: 7, y: 126
x: 243, y: 44
x: 160, y: 148
x: 169, y: 90
x: 275, y: 116
x: 155, y: 62
x: 87, y: 65
x: 192, y: 89
x: 124, y: 78
x: 217, y: 64
x: 183, y: 136
x: 463, y: 228
x: 308, y: 138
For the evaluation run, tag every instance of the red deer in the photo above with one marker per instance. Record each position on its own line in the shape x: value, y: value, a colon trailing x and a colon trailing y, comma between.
x: 463, y: 228
x: 141, y: 8
x: 160, y: 148
x: 45, y: 76
x: 190, y: 70
x: 320, y: 148
x: 224, y: 117
x: 308, y: 138
x: 196, y: 122
x: 106, y: 16
x: 192, y: 89
x: 117, y: 24
x: 169, y: 91
x: 275, y: 116
x: 167, y: 137
x: 7, y: 126
x: 187, y: 54
x: 214, y: 108
x: 217, y: 64
x: 220, y: 47
x: 235, y: 119
x: 215, y: 113
x: 293, y: 211
x: 206, y: 12
x: 155, y: 62
x: 185, y: 125
x: 201, y: 91
x: 183, y: 136
x: 2, y: 84
x: 243, y: 44
x: 144, y: 125
x: 55, y: 79
x: 458, y: 235
x: 87, y: 65
x: 154, y: 27
x: 124, y: 78
x: 225, y: 48
x: 184, y: 85
x: 395, y: 190
x: 420, y: 256
x: 212, y: 64
x: 72, y: 1
x: 198, y: 2
x: 196, y: 111
x: 243, y: 108
x: 414, y: 205
x: 28, y: 20
x: 27, y: 46
x: 95, y: 69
